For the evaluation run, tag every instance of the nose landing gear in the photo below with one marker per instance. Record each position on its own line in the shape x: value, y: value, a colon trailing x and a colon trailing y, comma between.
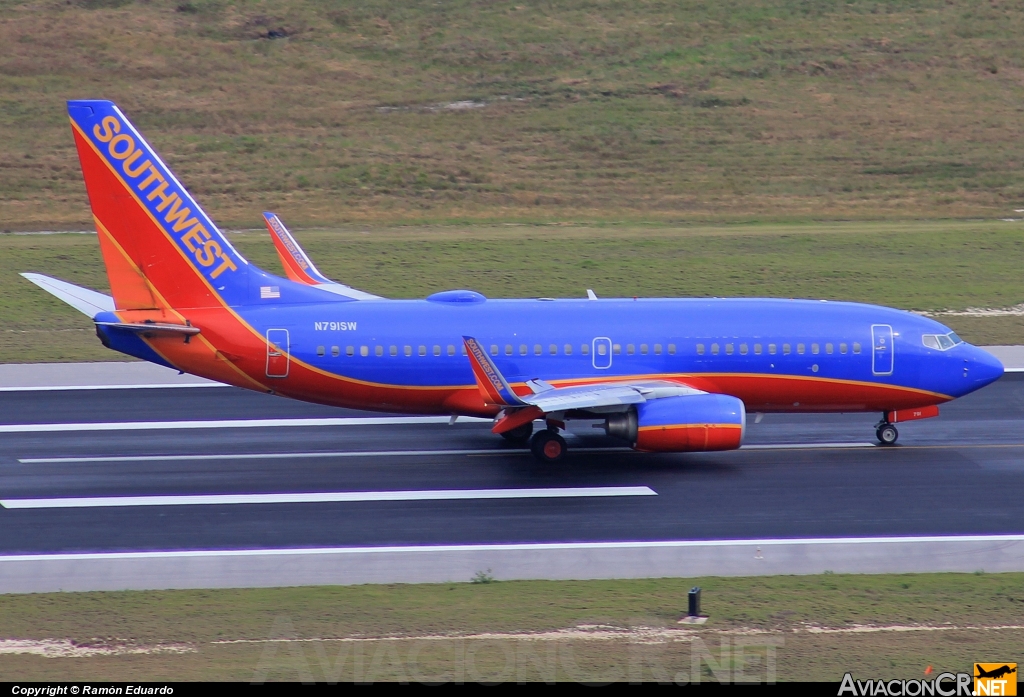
x: 886, y: 433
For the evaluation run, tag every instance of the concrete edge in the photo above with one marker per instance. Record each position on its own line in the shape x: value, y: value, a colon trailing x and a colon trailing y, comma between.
x: 453, y: 563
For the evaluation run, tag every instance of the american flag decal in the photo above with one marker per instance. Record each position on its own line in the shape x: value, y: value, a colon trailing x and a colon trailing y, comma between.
x: 269, y: 292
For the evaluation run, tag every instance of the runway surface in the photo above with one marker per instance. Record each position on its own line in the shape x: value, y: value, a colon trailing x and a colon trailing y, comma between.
x: 286, y: 485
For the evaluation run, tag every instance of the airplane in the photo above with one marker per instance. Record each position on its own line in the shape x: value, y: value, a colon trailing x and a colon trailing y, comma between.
x: 994, y: 673
x: 661, y: 374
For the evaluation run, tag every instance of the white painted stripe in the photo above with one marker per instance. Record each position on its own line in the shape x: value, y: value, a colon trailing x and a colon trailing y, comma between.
x: 232, y: 423
x: 153, y: 386
x: 385, y: 453
x: 529, y: 546
x: 329, y: 497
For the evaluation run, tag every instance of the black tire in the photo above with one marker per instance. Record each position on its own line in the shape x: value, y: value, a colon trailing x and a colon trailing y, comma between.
x: 887, y: 434
x: 548, y: 447
x: 519, y: 434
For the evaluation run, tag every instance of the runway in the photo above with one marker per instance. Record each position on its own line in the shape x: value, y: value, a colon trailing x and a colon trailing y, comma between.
x: 185, y: 470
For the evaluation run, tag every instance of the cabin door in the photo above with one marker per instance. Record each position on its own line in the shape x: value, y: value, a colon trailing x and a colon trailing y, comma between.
x: 602, y: 352
x: 278, y: 352
x: 882, y: 354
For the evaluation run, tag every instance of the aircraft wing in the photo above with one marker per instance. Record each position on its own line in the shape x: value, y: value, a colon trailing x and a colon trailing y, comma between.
x: 86, y: 301
x: 547, y: 399
x: 299, y: 267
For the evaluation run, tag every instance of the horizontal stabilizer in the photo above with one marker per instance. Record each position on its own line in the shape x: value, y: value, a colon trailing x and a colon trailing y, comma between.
x: 154, y: 328
x: 88, y: 302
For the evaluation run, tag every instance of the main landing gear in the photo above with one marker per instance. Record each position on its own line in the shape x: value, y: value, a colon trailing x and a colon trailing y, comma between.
x: 519, y: 434
x: 886, y: 433
x: 548, y: 447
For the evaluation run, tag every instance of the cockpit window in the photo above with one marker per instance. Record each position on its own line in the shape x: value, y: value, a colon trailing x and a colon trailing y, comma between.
x: 941, y: 342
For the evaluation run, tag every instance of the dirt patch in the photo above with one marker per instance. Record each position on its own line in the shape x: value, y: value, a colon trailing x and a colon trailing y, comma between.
x: 66, y: 648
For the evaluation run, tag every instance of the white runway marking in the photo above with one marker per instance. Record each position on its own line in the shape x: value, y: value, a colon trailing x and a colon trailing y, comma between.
x: 330, y: 497
x: 154, y: 386
x: 232, y: 423
x: 381, y: 453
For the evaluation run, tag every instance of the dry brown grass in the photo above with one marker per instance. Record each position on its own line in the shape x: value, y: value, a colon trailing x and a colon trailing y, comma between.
x: 595, y: 110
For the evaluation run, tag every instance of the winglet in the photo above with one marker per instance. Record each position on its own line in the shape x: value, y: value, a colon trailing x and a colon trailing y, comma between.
x: 489, y: 380
x: 297, y: 265
x: 591, y: 295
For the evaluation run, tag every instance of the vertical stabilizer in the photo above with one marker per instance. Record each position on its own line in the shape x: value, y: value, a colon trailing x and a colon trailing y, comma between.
x: 160, y: 248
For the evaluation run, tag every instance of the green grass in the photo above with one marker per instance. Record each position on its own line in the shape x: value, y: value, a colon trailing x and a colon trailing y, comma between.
x: 919, y: 266
x: 777, y: 608
x: 595, y: 110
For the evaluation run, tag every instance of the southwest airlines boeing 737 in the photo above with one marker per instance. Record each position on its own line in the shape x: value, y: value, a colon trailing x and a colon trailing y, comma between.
x: 665, y: 375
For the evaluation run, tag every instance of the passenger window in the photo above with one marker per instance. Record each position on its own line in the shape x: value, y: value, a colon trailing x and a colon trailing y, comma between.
x: 423, y: 350
x: 464, y: 353
x: 643, y: 349
x: 537, y: 349
x: 508, y: 349
x: 602, y: 349
x: 828, y: 348
x: 743, y: 349
x: 408, y: 350
x: 800, y: 348
x: 494, y: 349
x: 714, y: 349
x: 335, y: 351
x: 786, y: 349
x: 437, y: 350
x: 523, y: 349
x: 320, y: 350
x: 393, y: 350
x: 842, y: 348
x: 657, y: 349
x: 451, y: 349
x: 568, y: 349
x: 815, y: 349
x: 350, y: 351
x: 728, y: 349
x: 771, y: 349
x: 856, y: 347
x: 671, y: 349
x: 617, y: 349
x: 757, y: 349
x: 700, y: 349
x: 630, y: 349
x: 364, y: 351
x: 585, y: 349
x: 553, y: 350
x: 379, y: 351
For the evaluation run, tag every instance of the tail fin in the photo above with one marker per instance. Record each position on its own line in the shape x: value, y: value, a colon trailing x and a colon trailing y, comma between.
x: 160, y: 248
x: 299, y: 267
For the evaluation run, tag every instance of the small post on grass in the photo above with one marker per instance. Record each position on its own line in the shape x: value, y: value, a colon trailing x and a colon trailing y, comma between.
x: 693, y: 615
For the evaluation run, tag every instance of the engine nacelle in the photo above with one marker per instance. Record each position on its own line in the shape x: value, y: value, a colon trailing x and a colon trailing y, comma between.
x: 692, y: 423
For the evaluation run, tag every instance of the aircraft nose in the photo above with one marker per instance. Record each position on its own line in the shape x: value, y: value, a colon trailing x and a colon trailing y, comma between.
x: 982, y: 368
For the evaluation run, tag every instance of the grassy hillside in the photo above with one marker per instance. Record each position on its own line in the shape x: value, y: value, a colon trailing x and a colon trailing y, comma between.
x: 584, y: 110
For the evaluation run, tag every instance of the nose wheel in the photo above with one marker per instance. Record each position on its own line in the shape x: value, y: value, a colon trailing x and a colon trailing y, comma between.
x: 548, y: 447
x: 886, y: 433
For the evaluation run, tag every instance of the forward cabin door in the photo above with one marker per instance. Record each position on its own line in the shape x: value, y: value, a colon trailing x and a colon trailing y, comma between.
x: 882, y: 354
x: 278, y: 353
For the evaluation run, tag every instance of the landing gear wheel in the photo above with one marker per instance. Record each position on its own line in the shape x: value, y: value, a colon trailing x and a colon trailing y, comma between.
x: 519, y: 434
x: 887, y: 434
x: 548, y: 447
